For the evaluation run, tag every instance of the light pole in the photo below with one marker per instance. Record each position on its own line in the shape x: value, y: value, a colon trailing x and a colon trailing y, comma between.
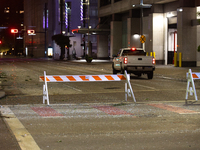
x: 14, y: 31
x: 31, y: 32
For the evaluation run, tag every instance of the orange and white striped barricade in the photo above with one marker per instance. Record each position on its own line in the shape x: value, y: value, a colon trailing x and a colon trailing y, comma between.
x: 86, y: 78
x: 191, y: 76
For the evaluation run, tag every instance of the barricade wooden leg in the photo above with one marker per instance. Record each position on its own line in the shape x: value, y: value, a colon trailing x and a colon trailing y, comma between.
x: 129, y: 91
x: 191, y: 89
x: 126, y: 92
x: 45, y: 90
x: 187, y: 89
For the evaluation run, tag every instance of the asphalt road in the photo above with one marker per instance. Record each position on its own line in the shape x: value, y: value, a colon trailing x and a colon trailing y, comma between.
x: 20, y: 81
x: 94, y: 115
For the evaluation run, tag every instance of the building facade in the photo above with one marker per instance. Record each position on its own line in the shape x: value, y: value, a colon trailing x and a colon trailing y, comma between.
x: 51, y: 17
x: 12, y: 17
x: 169, y: 26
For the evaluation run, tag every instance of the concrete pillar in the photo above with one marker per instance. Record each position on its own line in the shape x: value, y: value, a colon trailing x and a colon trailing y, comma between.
x: 115, y: 37
x: 102, y: 46
x: 198, y: 41
x: 187, y: 36
x: 133, y: 32
x: 158, y: 36
x: 129, y: 34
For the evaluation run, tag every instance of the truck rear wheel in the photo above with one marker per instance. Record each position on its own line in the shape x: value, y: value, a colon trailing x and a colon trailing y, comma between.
x: 150, y: 75
x: 122, y: 71
x: 115, y: 71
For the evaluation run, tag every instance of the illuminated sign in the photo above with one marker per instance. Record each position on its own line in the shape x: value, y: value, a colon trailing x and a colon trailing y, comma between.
x: 45, y: 20
x: 31, y: 32
x: 66, y: 15
x: 14, y: 30
x: 81, y: 9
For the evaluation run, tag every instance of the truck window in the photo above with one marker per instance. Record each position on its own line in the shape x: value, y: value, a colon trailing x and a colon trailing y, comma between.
x: 119, y: 52
x: 136, y: 52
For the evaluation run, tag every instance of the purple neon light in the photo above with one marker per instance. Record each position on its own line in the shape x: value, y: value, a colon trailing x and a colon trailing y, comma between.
x: 81, y: 9
x: 66, y: 15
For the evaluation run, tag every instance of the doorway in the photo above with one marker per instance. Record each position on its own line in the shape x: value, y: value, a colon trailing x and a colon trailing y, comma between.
x: 172, y: 42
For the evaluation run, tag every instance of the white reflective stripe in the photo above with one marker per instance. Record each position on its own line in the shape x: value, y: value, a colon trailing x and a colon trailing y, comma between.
x: 103, y: 78
x: 77, y: 78
x: 115, y: 77
x: 51, y: 78
x: 64, y: 78
x: 91, y: 78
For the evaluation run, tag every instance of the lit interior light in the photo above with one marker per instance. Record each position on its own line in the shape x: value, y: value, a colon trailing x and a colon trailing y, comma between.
x: 180, y: 9
x: 136, y: 36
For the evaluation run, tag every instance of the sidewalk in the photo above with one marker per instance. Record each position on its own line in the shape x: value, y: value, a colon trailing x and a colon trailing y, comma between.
x: 171, y: 72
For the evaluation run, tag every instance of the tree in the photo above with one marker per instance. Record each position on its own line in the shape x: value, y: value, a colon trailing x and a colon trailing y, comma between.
x: 62, y: 41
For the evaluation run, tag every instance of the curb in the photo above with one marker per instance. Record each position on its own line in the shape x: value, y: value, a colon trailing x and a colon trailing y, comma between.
x: 2, y: 94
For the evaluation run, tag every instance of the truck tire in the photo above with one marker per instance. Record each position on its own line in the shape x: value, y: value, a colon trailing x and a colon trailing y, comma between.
x: 122, y: 71
x: 150, y: 75
x: 115, y: 71
x: 139, y: 74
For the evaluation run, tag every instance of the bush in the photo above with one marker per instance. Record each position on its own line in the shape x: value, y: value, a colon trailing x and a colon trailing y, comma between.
x: 198, y: 48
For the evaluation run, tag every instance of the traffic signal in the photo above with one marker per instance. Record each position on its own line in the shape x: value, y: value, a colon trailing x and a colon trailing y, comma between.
x: 31, y: 32
x: 0, y: 42
x: 14, y: 30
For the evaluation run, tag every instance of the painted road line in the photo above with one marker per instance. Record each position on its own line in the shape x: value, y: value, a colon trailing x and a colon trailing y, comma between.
x: 112, y: 110
x: 174, y: 109
x: 46, y: 112
x: 24, y: 138
x: 148, y: 87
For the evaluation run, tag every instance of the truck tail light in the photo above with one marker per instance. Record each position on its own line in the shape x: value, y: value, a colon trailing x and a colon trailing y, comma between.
x: 133, y: 48
x: 154, y: 61
x: 125, y: 60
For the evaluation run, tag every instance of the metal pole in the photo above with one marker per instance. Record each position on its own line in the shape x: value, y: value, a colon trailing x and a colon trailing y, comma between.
x: 32, y: 46
x: 142, y: 15
x: 61, y: 15
x: 45, y: 42
x: 14, y: 45
x: 89, y: 47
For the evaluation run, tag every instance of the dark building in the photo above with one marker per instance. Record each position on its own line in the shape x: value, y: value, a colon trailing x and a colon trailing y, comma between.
x: 11, y: 17
x: 51, y: 17
x: 170, y: 27
x: 12, y: 13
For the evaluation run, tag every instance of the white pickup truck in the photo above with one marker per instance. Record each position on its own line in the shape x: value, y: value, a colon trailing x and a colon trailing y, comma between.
x: 134, y: 60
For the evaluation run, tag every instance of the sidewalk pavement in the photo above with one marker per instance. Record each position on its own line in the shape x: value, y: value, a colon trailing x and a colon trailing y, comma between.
x: 8, y: 141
